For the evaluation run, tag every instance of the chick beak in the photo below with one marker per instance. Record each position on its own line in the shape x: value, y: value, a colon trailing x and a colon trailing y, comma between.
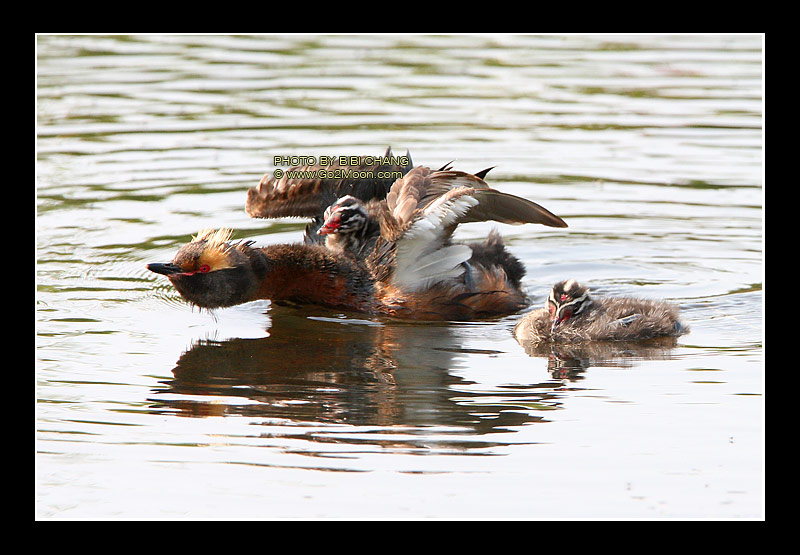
x: 557, y: 322
x: 330, y: 225
x: 165, y: 269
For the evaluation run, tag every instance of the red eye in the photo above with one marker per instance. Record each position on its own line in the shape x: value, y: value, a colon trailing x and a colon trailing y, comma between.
x: 204, y: 269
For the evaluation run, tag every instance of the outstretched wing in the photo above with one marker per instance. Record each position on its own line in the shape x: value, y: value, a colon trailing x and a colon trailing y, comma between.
x: 421, y: 212
x: 492, y: 204
x: 424, y: 254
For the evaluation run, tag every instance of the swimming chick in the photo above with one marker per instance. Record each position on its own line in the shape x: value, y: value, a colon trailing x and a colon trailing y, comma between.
x: 571, y: 314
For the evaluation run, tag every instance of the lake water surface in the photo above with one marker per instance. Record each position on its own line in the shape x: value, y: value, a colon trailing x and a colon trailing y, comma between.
x: 650, y: 147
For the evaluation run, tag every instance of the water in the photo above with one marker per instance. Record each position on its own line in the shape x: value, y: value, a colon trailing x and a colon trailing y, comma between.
x: 650, y: 147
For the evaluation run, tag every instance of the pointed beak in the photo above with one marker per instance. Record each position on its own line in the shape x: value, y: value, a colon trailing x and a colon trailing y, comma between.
x: 165, y: 269
x: 557, y: 322
x: 330, y: 226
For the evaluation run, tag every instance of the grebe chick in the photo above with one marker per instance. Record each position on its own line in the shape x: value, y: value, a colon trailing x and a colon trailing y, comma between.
x: 571, y: 314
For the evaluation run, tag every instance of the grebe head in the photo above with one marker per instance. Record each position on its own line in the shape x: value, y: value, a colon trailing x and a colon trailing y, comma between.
x: 210, y: 271
x: 567, y: 299
x: 346, y: 215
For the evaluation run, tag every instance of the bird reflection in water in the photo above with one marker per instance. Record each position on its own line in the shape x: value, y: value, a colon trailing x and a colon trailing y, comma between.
x: 569, y: 361
x: 320, y: 368
x: 327, y: 369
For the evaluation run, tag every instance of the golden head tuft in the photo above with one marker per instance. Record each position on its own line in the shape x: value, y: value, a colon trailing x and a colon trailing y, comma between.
x: 215, y: 253
x: 215, y: 237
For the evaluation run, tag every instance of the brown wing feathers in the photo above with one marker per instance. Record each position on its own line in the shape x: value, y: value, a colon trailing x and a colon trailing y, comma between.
x: 310, y: 196
x: 418, y: 189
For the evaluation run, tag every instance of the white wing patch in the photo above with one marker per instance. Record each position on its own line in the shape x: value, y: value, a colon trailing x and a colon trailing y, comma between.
x: 422, y: 257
